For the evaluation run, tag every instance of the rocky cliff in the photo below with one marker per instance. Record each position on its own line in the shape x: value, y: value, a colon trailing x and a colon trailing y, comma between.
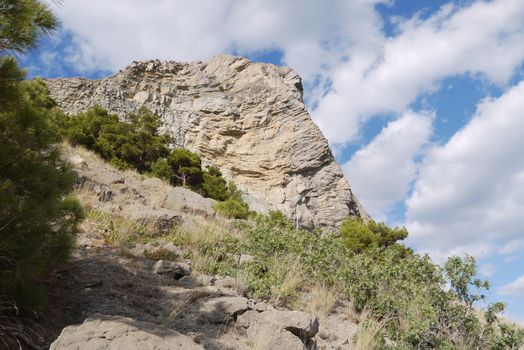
x: 246, y: 118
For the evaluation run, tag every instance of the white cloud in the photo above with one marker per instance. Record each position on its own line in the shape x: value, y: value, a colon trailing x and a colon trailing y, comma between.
x: 310, y: 34
x: 511, y: 247
x: 515, y: 288
x: 381, y: 172
x: 469, y: 196
x: 483, y: 38
x: 488, y: 269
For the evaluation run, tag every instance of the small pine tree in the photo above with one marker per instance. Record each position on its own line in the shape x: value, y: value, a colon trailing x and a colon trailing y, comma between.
x: 214, y: 185
x: 359, y: 235
x: 187, y: 168
x: 38, y: 220
x: 161, y: 169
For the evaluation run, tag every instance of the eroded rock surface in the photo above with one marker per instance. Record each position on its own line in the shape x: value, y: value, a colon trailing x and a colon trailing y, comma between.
x: 246, y: 118
x: 101, y: 332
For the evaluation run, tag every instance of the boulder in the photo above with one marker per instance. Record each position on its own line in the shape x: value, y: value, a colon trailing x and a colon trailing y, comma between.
x: 101, y: 332
x: 163, y: 220
x: 298, y: 323
x: 223, y: 309
x: 230, y: 286
x: 182, y: 199
x: 171, y: 268
x: 196, y: 280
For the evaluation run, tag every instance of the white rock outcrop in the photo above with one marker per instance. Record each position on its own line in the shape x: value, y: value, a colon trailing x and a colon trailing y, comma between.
x: 246, y: 118
x: 101, y: 332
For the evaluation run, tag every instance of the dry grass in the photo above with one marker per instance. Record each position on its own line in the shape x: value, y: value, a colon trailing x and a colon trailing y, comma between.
x: 15, y: 331
x: 293, y: 279
x: 190, y: 298
x: 350, y: 313
x: 241, y: 282
x: 262, y: 339
x: 322, y: 300
x: 369, y: 336
x: 199, y: 230
x: 119, y: 230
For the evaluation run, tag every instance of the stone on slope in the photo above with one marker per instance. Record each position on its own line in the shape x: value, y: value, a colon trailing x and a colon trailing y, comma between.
x: 248, y: 119
x: 171, y: 268
x: 223, y: 309
x: 279, y: 325
x: 101, y: 332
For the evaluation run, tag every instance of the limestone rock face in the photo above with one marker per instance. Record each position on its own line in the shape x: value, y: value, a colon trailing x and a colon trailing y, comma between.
x: 246, y: 118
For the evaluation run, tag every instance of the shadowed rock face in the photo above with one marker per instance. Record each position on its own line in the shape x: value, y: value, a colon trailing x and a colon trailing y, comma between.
x: 246, y: 118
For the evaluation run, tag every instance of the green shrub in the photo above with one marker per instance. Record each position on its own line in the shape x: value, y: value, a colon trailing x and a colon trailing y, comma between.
x: 135, y: 143
x: 161, y: 169
x: 214, y: 185
x: 360, y: 235
x: 232, y: 208
x: 403, y: 291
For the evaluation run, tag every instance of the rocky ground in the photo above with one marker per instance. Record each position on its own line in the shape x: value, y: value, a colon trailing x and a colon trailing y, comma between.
x: 114, y: 297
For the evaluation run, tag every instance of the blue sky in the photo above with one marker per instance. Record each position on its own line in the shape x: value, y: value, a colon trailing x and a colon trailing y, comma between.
x: 421, y: 101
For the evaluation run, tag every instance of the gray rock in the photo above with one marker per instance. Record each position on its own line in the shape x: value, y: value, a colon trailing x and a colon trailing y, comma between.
x: 230, y: 286
x: 164, y: 220
x: 167, y: 246
x: 196, y: 280
x: 298, y: 323
x: 245, y: 258
x: 336, y: 332
x: 248, y: 119
x: 223, y: 309
x: 101, y: 332
x: 260, y: 307
x: 175, y: 269
x: 182, y: 199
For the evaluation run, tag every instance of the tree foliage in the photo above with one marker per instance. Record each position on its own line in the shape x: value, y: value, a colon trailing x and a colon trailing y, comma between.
x: 22, y: 22
x: 136, y: 142
x: 187, y: 168
x: 38, y: 220
x: 359, y: 235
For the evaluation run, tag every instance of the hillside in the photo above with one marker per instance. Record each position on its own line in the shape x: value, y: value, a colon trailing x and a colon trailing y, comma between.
x: 155, y: 267
x: 248, y: 119
x: 122, y: 276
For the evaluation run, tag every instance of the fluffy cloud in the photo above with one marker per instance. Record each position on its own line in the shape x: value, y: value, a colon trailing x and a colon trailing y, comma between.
x: 511, y: 247
x: 311, y: 35
x: 381, y: 172
x: 483, y: 38
x: 488, y: 269
x: 469, y: 196
x: 515, y: 288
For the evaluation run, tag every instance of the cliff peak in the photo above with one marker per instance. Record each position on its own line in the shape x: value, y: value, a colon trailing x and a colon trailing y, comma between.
x: 246, y: 118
